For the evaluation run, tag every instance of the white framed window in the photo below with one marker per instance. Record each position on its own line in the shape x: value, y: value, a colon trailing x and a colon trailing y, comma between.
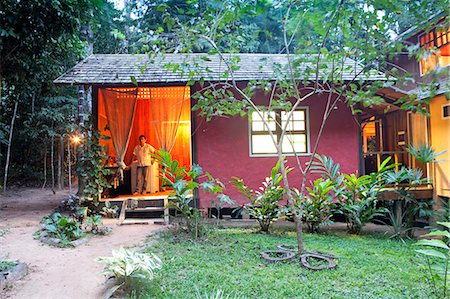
x: 296, y: 139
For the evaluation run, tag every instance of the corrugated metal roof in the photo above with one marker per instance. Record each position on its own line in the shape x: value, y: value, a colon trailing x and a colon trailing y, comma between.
x: 118, y: 68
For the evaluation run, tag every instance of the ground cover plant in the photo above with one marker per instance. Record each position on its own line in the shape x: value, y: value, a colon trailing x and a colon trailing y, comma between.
x: 5, y: 265
x: 129, y: 269
x: 369, y: 266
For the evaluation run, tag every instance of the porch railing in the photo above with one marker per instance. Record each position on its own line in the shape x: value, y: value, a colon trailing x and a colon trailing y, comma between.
x: 373, y: 160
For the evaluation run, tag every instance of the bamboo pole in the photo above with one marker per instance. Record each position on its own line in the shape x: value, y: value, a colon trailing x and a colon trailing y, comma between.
x: 8, y: 154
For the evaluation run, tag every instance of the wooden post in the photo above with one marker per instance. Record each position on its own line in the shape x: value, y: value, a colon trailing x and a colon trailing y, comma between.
x: 60, y: 163
x: 69, y: 164
x: 166, y: 210
x: 81, y: 97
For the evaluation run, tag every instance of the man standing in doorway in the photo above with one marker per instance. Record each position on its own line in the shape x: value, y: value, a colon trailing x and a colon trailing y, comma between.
x: 142, y: 153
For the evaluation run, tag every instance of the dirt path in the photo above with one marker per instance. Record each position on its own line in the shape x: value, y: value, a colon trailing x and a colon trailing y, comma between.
x: 56, y: 272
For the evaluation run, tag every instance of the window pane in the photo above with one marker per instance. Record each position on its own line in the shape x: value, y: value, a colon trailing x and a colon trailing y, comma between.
x: 297, y: 115
x: 295, y: 142
x: 262, y: 144
x: 299, y: 126
x: 258, y: 124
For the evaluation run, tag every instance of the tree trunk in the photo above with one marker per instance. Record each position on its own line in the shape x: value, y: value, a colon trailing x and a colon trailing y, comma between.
x: 52, y: 161
x: 45, y: 167
x: 8, y: 154
x: 60, y: 163
x: 33, y: 99
x: 69, y: 165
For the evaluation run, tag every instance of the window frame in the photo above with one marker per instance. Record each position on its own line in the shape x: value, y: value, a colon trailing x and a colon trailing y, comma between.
x: 277, y: 133
x: 443, y: 110
x: 432, y: 42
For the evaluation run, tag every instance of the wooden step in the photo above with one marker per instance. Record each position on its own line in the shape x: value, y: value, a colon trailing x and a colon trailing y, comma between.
x: 125, y: 209
x: 143, y: 221
x: 143, y: 210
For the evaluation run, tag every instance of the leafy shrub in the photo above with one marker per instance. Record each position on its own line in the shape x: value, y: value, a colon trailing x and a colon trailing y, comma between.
x: 437, y: 254
x: 424, y: 153
x: 62, y: 227
x: 359, y: 199
x: 129, y: 269
x: 443, y: 214
x: 91, y: 169
x: 94, y: 225
x: 402, y: 225
x: 318, y: 205
x: 6, y: 265
x: 264, y: 203
x: 184, y: 183
x: 110, y: 211
x: 357, y: 195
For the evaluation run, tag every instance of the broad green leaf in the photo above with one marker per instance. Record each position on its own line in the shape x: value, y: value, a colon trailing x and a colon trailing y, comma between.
x: 432, y: 243
x: 432, y: 252
x: 442, y: 233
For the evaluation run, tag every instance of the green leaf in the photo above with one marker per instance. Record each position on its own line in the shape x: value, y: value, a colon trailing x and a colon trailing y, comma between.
x: 432, y: 252
x: 432, y: 243
x: 439, y: 233
x: 133, y: 80
x: 446, y: 224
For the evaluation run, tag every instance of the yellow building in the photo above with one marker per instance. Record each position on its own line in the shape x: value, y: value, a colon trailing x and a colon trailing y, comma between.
x: 440, y: 141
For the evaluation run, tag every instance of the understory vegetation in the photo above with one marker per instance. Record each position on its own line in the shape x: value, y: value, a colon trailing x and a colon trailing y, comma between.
x: 369, y: 266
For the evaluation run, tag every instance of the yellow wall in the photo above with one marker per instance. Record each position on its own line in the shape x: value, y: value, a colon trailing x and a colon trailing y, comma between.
x: 440, y: 141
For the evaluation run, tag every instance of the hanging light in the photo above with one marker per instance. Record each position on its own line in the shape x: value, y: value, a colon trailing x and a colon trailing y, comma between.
x: 76, y: 139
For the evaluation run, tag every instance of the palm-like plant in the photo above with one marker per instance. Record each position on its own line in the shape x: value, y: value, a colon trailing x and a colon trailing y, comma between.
x: 424, y: 153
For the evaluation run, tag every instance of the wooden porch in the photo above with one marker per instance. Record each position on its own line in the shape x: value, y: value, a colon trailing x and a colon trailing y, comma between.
x: 138, y: 204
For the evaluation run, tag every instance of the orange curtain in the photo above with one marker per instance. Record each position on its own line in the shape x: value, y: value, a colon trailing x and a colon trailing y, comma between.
x: 120, y: 107
x: 166, y: 108
x: 162, y: 114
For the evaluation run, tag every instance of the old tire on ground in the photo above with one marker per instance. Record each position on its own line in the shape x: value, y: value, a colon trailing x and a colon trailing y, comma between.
x: 305, y: 263
x: 288, y: 247
x: 274, y: 256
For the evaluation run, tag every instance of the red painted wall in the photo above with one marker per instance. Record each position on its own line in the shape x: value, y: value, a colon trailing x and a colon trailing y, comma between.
x: 223, y: 147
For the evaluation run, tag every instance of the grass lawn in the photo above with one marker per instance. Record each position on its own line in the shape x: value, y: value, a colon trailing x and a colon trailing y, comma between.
x: 370, y: 266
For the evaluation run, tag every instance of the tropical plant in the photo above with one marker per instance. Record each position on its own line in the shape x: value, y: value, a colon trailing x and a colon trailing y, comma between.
x: 110, y: 211
x: 359, y: 200
x: 402, y: 180
x: 437, y: 254
x: 129, y: 269
x: 424, y: 153
x: 318, y: 205
x: 356, y: 195
x: 62, y: 227
x: 184, y: 183
x: 218, y: 203
x: 94, y: 225
x: 443, y: 213
x: 264, y: 203
x: 91, y: 169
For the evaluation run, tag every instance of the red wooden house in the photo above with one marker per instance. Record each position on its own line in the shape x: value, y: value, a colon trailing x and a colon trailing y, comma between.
x: 160, y: 107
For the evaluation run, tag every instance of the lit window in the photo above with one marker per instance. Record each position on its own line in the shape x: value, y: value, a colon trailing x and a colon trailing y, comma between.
x: 438, y: 38
x: 295, y: 139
